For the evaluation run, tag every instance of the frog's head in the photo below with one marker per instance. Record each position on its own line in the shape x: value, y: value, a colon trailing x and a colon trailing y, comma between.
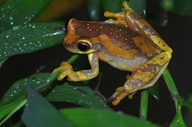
x: 79, y: 39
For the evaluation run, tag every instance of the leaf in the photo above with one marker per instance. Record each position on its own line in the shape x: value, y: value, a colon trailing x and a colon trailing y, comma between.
x: 182, y: 7
x: 116, y: 6
x: 188, y: 103
x: 40, y: 113
x: 154, y: 90
x: 83, y: 117
x: 77, y: 93
x: 18, y: 88
x: 6, y: 109
x: 176, y: 122
x: 2, y: 61
x: 72, y: 92
x: 30, y: 37
x: 139, y: 6
x: 95, y: 10
x: 19, y: 12
x: 18, y: 124
x: 178, y: 119
x: 20, y: 99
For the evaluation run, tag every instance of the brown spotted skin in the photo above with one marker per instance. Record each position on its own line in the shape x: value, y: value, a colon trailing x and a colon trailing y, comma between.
x: 135, y: 47
x: 120, y: 36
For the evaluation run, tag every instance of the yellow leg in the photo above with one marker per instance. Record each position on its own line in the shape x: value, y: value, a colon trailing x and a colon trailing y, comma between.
x: 82, y: 75
x: 65, y: 69
x: 122, y: 95
x: 143, y: 77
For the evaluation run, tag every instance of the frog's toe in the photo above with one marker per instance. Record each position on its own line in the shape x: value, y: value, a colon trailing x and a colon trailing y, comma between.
x: 65, y: 69
x: 122, y: 95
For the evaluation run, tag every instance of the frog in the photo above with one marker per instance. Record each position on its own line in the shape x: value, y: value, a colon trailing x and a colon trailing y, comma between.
x: 127, y: 43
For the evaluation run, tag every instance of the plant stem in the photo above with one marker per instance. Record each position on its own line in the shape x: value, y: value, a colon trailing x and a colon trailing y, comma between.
x: 171, y: 86
x: 176, y: 97
x: 20, y: 105
x: 180, y: 118
x: 144, y: 104
x: 72, y: 58
x: 170, y: 83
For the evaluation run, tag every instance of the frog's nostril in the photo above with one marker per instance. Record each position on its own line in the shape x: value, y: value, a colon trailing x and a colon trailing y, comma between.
x: 66, y: 44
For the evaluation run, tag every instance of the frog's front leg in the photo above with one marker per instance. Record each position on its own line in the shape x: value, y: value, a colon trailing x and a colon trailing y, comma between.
x: 67, y: 70
x: 145, y: 76
x: 121, y: 16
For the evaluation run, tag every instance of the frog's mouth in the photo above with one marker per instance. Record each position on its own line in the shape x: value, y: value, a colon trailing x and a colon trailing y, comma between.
x: 72, y: 47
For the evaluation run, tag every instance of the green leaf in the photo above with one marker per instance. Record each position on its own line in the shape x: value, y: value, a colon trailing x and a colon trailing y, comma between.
x: 178, y: 119
x: 113, y: 6
x: 182, y: 7
x: 30, y: 37
x: 95, y: 10
x: 82, y: 117
x: 20, y: 12
x: 5, y: 109
x: 72, y: 92
x: 18, y: 88
x: 18, y: 124
x: 2, y: 61
x: 167, y: 4
x: 154, y: 90
x: 176, y: 122
x: 77, y: 93
x: 139, y: 6
x: 188, y: 103
x: 20, y: 99
x: 40, y: 113
x: 116, y: 5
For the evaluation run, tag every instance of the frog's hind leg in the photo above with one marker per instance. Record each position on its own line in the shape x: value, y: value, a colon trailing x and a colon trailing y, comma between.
x: 96, y: 90
x: 139, y: 25
x: 144, y: 77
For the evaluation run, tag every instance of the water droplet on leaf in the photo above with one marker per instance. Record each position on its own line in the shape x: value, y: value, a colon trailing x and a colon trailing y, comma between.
x: 7, y: 36
x: 15, y: 28
x: 33, y: 27
x: 38, y: 82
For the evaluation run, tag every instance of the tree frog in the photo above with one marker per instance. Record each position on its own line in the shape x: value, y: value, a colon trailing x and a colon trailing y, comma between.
x: 132, y: 46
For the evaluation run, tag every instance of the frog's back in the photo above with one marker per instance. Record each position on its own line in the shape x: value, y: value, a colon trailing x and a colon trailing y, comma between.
x: 118, y: 40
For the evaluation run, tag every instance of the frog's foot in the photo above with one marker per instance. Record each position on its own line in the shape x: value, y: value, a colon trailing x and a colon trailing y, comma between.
x: 107, y: 100
x: 116, y: 97
x: 120, y: 94
x: 121, y: 15
x: 96, y: 90
x: 65, y: 69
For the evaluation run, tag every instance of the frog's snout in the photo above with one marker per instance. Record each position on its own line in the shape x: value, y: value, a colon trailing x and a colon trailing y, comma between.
x: 67, y: 44
x: 72, y: 47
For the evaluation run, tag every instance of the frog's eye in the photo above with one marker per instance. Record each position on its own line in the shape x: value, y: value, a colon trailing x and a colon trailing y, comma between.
x: 83, y: 46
